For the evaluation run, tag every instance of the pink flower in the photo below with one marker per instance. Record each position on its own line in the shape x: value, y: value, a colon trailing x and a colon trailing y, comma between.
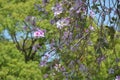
x: 91, y: 28
x: 92, y: 14
x: 86, y: 30
x: 63, y: 22
x: 57, y: 9
x: 43, y: 63
x: 39, y: 33
x: 117, y: 78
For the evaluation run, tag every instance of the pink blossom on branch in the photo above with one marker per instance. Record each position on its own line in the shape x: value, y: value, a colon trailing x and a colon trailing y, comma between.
x: 92, y: 14
x: 91, y: 28
x: 63, y: 22
x: 117, y: 78
x: 57, y: 9
x: 39, y: 33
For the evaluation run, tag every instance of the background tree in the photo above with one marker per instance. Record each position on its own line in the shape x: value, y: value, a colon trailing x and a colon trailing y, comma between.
x: 85, y: 40
x: 21, y: 19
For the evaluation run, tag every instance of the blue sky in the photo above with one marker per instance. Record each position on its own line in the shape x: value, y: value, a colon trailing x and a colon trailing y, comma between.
x: 112, y: 2
x: 6, y: 34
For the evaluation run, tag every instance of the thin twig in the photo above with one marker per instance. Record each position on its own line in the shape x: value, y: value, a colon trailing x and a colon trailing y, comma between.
x: 79, y: 40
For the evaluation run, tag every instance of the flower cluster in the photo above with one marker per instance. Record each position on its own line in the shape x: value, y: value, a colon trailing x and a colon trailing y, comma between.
x: 59, y: 67
x: 117, y: 78
x: 63, y: 22
x: 100, y: 59
x: 57, y: 9
x: 39, y: 33
x: 44, y: 60
x: 67, y: 34
x: 91, y: 28
x: 92, y: 14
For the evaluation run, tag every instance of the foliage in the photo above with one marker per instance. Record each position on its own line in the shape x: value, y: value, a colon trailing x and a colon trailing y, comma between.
x: 13, y: 67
